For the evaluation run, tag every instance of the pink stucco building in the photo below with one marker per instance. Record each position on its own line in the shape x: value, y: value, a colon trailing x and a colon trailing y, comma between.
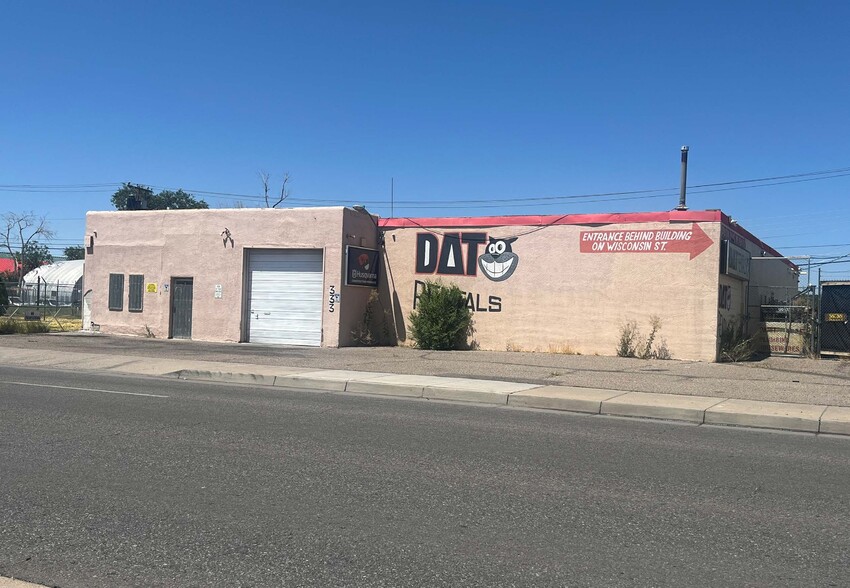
x: 304, y: 276
x: 568, y: 283
x: 260, y: 275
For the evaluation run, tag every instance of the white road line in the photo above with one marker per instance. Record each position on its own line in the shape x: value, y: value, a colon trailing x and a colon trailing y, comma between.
x: 84, y: 389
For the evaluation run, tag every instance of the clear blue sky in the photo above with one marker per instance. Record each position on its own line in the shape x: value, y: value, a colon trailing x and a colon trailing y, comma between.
x: 458, y: 101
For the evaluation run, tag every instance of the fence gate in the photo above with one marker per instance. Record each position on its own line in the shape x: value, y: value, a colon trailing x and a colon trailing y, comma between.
x: 834, y: 318
x: 788, y: 327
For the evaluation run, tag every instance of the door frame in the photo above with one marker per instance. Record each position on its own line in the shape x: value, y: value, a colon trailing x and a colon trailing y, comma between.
x: 172, y: 289
x: 245, y: 314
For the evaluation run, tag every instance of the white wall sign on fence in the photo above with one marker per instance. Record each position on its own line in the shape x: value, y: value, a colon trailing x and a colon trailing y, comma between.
x: 218, y: 290
x: 786, y: 338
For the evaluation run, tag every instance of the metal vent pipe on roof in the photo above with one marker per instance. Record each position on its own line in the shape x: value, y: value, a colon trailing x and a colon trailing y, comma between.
x: 683, y: 184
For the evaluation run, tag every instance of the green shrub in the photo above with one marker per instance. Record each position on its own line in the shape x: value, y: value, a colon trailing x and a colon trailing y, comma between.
x: 632, y: 343
x: 441, y: 320
x: 629, y: 335
x: 13, y: 327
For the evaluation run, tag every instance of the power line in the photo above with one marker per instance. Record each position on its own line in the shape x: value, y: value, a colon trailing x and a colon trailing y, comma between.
x: 592, y: 197
x: 817, y: 246
x: 814, y: 173
x: 62, y: 191
x: 839, y: 259
x: 50, y: 186
x: 479, y: 203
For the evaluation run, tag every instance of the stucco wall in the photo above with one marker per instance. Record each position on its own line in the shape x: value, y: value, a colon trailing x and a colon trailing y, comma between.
x: 564, y: 297
x: 739, y: 300
x: 163, y: 245
x: 571, y: 288
x: 361, y: 230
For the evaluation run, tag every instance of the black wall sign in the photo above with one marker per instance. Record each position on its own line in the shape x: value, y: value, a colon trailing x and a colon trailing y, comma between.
x: 361, y: 266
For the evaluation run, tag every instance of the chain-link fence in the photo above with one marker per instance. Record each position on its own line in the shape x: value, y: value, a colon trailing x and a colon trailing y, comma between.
x: 787, y: 317
x: 788, y: 328
x: 41, y: 300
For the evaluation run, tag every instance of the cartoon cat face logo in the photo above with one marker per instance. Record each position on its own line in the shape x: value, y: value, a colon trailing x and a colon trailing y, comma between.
x: 498, y: 262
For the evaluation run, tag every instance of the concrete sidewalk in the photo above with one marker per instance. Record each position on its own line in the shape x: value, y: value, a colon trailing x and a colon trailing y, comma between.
x: 13, y: 583
x: 179, y: 359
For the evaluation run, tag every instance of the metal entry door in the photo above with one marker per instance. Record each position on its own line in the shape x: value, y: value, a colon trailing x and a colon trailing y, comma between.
x: 835, y: 318
x: 181, y: 308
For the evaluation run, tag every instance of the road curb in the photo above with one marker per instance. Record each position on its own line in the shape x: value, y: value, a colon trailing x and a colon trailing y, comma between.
x: 835, y: 420
x: 660, y: 406
x: 232, y: 377
x: 566, y: 398
x: 458, y: 395
x: 812, y: 418
x: 673, y: 407
x: 766, y: 415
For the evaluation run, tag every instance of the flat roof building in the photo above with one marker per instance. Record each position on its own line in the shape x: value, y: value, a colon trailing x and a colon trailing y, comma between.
x: 307, y: 276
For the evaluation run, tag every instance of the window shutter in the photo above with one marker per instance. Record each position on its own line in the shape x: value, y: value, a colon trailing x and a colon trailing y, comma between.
x: 137, y: 288
x: 116, y: 291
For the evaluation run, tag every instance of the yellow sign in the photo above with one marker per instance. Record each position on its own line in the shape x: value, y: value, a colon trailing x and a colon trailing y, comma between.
x: 836, y: 317
x: 151, y: 288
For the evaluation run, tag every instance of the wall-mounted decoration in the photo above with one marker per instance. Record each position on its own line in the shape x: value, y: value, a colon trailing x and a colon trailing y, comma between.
x: 361, y: 266
x: 691, y: 240
x: 499, y: 262
x: 457, y: 255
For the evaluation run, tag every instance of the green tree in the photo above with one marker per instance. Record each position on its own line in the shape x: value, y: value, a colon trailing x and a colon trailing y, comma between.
x: 18, y: 235
x: 75, y: 252
x: 442, y: 320
x: 167, y: 199
x: 34, y: 255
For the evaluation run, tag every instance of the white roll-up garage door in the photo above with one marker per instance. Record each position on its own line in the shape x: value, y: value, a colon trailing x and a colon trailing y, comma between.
x: 285, y: 296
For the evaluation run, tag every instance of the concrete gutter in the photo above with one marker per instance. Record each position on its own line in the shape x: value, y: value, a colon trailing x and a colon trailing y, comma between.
x: 699, y: 410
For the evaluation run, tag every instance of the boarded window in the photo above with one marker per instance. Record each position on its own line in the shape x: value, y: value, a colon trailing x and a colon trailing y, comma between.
x: 137, y: 288
x: 116, y: 291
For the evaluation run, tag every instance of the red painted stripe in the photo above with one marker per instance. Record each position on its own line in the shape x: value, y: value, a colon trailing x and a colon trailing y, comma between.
x: 684, y: 216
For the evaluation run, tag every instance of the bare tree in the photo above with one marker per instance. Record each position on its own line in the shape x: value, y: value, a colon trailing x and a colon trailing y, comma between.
x: 20, y: 231
x: 284, y: 188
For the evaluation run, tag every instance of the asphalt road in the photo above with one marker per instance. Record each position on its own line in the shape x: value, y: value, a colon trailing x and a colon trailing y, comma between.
x: 195, y: 484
